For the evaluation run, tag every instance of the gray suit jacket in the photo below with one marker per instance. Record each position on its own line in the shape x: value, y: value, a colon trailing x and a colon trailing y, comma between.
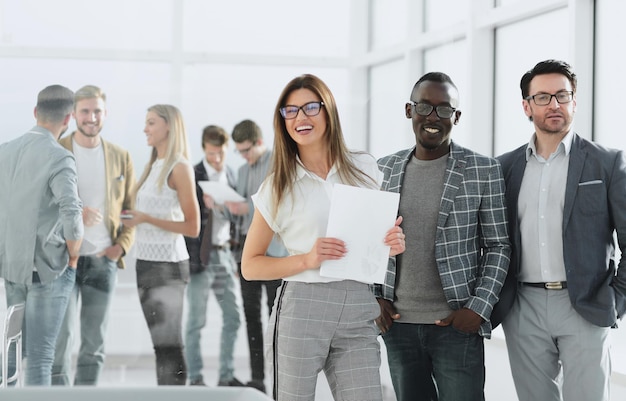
x: 39, y: 207
x: 276, y: 247
x: 594, y: 208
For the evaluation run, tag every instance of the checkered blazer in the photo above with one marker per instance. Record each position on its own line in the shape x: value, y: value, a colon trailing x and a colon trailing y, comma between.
x: 472, y: 247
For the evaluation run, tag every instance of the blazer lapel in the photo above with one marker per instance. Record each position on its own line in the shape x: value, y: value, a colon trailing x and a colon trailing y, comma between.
x: 455, y: 171
x: 577, y: 158
x: 201, y: 174
x: 397, y: 172
x: 514, y: 179
x: 230, y: 177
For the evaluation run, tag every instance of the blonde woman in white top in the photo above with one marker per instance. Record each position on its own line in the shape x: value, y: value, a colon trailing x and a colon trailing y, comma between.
x: 166, y: 210
x: 317, y: 323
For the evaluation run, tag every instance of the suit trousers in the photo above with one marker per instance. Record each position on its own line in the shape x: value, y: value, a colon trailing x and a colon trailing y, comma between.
x: 329, y: 327
x: 553, y: 351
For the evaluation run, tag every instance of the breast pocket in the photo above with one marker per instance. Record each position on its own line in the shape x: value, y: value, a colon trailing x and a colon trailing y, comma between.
x: 591, y: 197
x: 117, y: 187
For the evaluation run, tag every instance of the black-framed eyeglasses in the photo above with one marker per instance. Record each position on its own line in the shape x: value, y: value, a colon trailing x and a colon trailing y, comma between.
x: 544, y: 99
x: 310, y: 109
x: 246, y: 150
x: 424, y: 109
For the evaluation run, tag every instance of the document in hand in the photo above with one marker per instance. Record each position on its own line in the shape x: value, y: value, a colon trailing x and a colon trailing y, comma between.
x: 360, y: 217
x: 220, y: 192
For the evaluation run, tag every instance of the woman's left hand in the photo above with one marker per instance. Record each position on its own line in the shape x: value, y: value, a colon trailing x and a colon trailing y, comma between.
x: 395, y: 239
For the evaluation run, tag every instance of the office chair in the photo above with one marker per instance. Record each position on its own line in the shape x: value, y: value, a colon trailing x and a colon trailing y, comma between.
x: 12, y: 335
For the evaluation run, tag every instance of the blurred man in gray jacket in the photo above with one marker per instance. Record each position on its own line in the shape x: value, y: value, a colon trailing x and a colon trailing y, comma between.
x: 41, y: 227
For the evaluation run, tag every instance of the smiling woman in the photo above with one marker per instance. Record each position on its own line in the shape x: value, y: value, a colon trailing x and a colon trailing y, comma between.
x: 310, y: 156
x: 166, y: 209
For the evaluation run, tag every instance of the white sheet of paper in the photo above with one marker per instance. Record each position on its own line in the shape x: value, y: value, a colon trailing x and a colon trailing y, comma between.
x: 220, y: 192
x: 361, y: 217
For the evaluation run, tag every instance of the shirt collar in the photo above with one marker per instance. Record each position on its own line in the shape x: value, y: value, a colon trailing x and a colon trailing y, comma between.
x: 565, y: 145
x: 210, y: 171
x: 37, y: 129
x: 302, y: 172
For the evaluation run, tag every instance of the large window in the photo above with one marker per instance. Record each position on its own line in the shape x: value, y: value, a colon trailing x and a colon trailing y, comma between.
x: 140, y: 25
x: 390, y: 130
x: 519, y: 46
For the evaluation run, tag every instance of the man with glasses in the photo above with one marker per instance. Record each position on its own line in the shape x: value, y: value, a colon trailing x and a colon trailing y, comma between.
x: 438, y: 295
x: 566, y: 198
x: 249, y: 144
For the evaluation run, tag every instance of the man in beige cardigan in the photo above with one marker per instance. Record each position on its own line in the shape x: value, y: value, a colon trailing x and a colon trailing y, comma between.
x: 105, y: 181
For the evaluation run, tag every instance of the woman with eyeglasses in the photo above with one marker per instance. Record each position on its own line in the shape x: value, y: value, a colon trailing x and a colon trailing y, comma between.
x: 166, y: 210
x: 317, y: 323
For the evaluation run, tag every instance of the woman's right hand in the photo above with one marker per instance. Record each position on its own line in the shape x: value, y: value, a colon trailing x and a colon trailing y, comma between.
x: 325, y: 249
x: 137, y: 218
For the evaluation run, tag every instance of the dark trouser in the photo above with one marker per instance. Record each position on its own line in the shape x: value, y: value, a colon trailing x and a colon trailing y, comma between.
x: 251, y: 292
x: 430, y: 363
x: 161, y: 287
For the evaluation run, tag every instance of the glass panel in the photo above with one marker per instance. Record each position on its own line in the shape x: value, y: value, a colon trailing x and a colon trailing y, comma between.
x: 116, y: 24
x: 519, y: 47
x: 609, y: 94
x: 609, y: 91
x: 389, y: 23
x: 443, y: 13
x: 287, y: 28
x: 389, y: 129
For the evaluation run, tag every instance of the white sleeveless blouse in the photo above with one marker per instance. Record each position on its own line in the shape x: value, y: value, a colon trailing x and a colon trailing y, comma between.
x: 151, y: 242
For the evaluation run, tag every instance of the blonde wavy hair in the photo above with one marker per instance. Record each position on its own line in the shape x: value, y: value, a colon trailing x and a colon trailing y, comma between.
x: 177, y: 143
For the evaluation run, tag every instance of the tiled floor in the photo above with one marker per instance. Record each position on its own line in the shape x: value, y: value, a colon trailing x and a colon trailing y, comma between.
x: 131, y: 364
x: 139, y: 372
x: 124, y: 371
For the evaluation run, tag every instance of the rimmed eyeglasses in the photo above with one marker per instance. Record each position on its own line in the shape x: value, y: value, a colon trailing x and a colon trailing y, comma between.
x: 424, y: 109
x: 310, y: 109
x: 544, y: 99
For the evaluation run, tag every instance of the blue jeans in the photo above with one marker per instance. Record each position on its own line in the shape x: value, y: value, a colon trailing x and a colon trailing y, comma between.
x: 45, y: 307
x: 95, y: 285
x: 219, y: 277
x: 429, y: 363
